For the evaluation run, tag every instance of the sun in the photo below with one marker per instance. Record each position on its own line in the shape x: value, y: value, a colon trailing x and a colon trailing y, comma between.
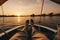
x: 18, y: 14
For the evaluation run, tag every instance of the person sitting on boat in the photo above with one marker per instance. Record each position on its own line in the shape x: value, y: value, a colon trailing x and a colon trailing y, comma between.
x: 36, y: 35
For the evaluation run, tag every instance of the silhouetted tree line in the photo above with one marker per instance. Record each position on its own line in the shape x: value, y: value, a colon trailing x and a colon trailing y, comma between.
x: 50, y: 14
x: 33, y: 15
x: 7, y: 15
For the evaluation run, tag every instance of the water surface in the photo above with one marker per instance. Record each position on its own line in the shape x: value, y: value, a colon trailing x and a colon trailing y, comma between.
x: 46, y: 21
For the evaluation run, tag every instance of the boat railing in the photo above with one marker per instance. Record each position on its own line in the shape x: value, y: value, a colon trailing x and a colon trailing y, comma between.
x: 8, y: 33
x: 48, y: 28
x: 48, y: 31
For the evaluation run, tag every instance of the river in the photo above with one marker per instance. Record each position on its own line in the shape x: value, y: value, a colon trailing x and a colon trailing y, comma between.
x: 44, y: 20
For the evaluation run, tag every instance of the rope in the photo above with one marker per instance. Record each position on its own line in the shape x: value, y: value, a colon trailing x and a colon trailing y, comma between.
x: 3, y: 20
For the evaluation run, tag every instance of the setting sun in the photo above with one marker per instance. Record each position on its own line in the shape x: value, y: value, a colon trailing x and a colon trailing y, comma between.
x: 18, y: 14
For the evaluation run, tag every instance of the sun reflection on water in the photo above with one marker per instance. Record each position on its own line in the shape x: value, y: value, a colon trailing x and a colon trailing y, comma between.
x: 18, y: 19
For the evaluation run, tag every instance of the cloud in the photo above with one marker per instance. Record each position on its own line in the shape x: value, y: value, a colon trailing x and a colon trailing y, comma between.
x: 38, y: 1
x: 29, y: 2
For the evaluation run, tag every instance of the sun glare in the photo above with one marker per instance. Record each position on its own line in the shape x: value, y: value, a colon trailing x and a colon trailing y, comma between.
x: 18, y: 14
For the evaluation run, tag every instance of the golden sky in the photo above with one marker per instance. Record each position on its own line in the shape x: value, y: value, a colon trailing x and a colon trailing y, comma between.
x: 27, y: 7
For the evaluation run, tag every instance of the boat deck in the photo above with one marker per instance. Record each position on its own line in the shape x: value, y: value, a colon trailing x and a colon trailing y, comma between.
x: 22, y: 35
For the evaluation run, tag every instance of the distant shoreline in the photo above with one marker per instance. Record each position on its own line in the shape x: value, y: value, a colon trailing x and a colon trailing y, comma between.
x: 31, y: 16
